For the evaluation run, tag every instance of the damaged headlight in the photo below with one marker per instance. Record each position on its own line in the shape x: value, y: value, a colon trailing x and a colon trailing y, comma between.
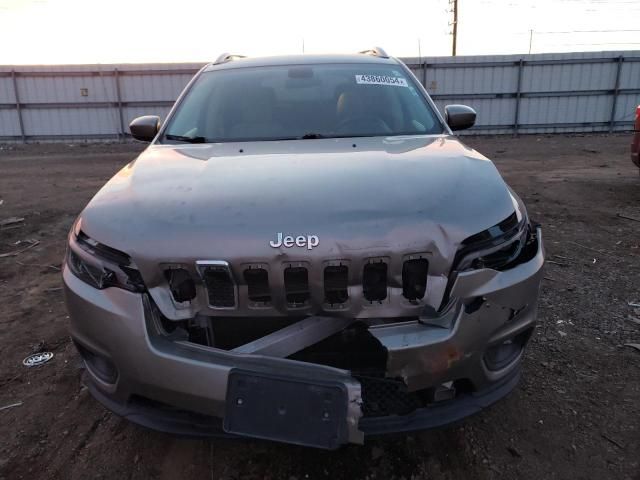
x: 497, y: 247
x: 95, y: 276
x: 509, y: 243
x: 503, y: 256
x: 498, y: 252
x: 101, y: 266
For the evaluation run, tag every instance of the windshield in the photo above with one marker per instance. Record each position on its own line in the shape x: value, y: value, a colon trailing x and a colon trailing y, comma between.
x: 302, y: 101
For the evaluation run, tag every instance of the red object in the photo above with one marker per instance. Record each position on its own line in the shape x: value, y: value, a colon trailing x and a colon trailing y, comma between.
x: 635, y: 144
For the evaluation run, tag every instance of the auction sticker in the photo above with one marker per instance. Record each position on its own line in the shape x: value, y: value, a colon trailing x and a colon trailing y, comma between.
x: 381, y: 80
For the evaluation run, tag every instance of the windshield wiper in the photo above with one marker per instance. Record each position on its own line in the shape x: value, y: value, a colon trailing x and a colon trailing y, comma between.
x: 181, y: 138
x: 312, y: 136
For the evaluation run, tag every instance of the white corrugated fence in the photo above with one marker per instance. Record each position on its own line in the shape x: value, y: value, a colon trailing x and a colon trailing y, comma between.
x: 540, y: 93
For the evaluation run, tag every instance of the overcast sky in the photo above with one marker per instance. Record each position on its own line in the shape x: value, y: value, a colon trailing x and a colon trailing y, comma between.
x: 115, y: 31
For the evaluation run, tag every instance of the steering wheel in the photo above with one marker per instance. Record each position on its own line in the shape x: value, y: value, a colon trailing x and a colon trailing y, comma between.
x: 363, y: 124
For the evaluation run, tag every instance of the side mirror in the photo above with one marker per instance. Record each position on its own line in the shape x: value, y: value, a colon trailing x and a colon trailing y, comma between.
x: 459, y: 117
x: 145, y: 128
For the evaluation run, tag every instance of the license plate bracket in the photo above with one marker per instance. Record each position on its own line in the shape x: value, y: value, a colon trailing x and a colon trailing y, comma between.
x: 304, y: 412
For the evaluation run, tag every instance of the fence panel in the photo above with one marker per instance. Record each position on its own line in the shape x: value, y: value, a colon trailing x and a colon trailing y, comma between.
x: 540, y: 93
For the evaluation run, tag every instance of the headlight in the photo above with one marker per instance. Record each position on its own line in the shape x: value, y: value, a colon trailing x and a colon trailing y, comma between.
x: 496, y: 247
x: 95, y: 276
x: 503, y: 246
x: 101, y: 266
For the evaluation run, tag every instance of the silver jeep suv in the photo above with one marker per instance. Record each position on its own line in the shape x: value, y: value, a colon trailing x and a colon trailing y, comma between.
x: 304, y: 253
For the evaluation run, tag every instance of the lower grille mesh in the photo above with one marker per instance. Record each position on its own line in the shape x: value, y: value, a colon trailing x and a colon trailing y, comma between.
x: 382, y: 397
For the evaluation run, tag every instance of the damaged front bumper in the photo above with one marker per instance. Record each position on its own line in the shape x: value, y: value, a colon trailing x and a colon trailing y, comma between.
x: 451, y: 364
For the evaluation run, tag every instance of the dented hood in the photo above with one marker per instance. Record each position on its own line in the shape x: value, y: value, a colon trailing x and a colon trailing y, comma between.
x: 178, y: 202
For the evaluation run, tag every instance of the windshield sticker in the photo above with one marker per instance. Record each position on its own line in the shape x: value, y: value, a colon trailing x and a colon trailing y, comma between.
x: 381, y: 80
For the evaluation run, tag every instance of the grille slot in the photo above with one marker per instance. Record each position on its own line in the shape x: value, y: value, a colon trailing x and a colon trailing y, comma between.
x: 296, y: 286
x: 257, y: 280
x: 336, y: 281
x: 414, y: 278
x: 219, y: 283
x: 374, y: 281
x: 182, y: 286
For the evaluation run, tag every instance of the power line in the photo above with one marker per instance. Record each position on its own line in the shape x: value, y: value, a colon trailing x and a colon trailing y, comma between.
x: 602, y: 2
x: 531, y: 32
x: 590, y: 44
x: 586, y: 31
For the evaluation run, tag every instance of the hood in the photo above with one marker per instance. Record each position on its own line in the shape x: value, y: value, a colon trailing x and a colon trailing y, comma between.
x: 227, y: 201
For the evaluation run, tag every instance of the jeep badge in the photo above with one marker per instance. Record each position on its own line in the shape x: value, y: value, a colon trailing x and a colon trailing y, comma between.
x: 289, y: 241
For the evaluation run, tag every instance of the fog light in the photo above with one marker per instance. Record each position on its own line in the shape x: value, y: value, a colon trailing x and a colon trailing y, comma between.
x: 100, y: 366
x: 501, y: 355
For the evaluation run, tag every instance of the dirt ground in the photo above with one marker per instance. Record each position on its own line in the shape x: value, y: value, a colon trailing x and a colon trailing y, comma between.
x: 575, y: 414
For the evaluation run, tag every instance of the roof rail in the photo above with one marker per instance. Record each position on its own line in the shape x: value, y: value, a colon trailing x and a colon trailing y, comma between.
x: 376, y: 52
x: 227, y: 57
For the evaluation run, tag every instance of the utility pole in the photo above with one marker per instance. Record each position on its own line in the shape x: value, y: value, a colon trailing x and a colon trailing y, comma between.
x: 530, y: 39
x: 455, y: 27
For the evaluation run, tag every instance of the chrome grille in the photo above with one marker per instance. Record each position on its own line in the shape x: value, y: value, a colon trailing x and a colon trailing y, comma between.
x: 293, y: 285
